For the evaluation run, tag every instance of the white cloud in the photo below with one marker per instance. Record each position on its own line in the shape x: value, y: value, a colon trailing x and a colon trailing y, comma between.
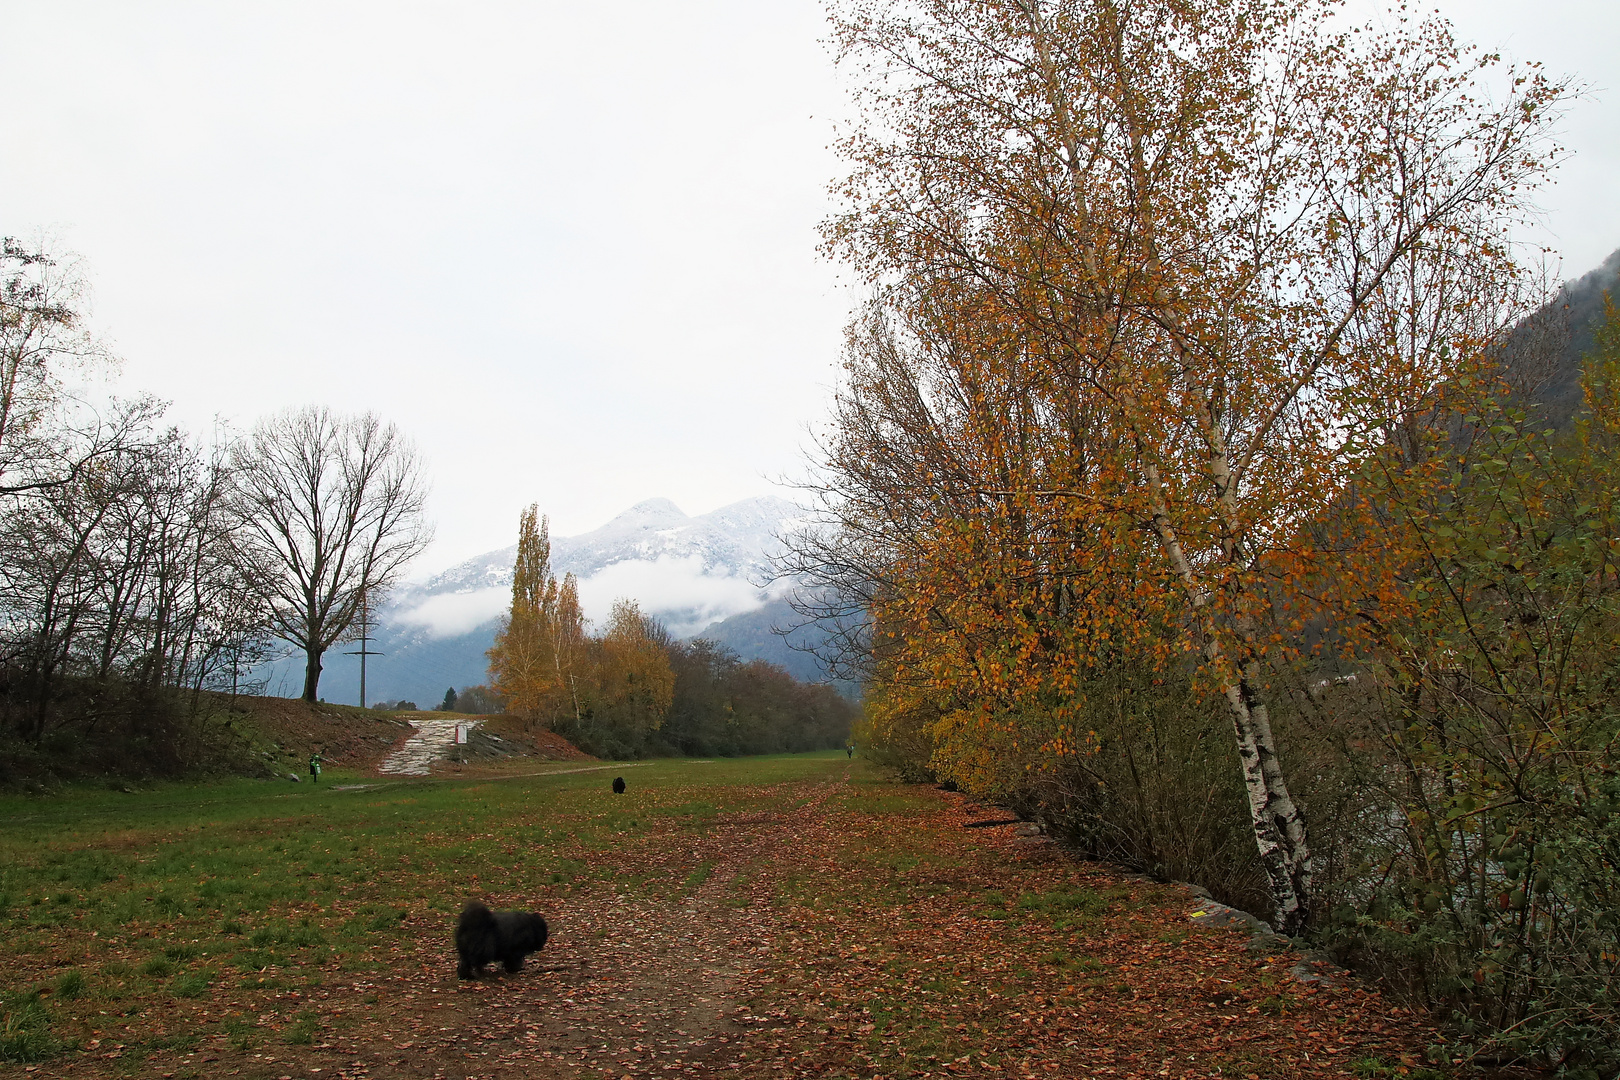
x: 452, y: 614
x: 675, y: 590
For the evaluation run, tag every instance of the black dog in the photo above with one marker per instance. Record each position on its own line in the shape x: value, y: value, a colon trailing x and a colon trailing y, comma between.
x: 484, y: 936
x: 618, y: 785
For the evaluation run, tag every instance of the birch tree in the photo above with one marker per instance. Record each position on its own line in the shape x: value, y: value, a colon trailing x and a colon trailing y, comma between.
x: 1156, y: 277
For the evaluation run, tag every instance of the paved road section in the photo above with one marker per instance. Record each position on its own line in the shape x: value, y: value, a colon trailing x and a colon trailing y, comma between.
x: 434, y: 739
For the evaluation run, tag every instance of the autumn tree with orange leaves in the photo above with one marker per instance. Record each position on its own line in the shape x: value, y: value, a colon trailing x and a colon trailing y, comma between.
x: 541, y: 642
x: 606, y: 693
x: 625, y: 686
x: 1151, y: 282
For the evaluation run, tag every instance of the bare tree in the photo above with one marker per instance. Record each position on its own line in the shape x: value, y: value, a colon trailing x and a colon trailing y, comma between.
x: 47, y: 436
x: 38, y: 323
x: 119, y: 586
x: 328, y: 510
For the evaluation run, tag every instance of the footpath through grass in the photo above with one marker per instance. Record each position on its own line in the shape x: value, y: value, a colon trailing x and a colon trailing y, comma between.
x: 796, y: 915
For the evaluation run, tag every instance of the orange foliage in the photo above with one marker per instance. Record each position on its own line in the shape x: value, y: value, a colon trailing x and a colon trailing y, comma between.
x: 1154, y: 282
x: 541, y: 643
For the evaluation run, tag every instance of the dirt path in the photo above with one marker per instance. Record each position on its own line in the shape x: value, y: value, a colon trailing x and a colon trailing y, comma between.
x: 640, y: 989
x: 627, y: 987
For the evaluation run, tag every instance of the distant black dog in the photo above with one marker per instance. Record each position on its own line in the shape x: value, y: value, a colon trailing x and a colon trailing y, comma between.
x: 618, y: 785
x: 484, y: 936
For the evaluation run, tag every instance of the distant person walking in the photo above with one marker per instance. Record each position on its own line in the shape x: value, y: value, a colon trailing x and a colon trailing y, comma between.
x: 315, y: 767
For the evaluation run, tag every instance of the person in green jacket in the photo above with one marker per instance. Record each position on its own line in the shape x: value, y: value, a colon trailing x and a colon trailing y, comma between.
x: 315, y: 767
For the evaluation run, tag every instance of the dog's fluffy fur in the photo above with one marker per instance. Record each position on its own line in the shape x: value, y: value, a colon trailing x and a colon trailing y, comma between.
x: 618, y: 785
x: 484, y: 936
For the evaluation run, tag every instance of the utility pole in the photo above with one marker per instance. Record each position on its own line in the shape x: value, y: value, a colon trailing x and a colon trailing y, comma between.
x: 234, y: 648
x: 363, y: 652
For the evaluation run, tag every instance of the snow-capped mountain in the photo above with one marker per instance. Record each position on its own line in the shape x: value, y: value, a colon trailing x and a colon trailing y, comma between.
x: 689, y: 572
x: 686, y: 571
x: 736, y: 539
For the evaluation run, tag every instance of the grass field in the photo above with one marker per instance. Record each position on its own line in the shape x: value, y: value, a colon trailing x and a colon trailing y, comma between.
x: 733, y: 917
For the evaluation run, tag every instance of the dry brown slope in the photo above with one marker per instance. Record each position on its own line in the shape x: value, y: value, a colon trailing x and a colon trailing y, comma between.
x: 351, y: 737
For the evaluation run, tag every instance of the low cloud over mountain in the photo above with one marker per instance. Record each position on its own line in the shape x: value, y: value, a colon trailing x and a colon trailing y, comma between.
x: 689, y: 572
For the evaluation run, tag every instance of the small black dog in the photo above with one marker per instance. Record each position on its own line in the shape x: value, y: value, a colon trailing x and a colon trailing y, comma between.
x: 618, y: 785
x: 484, y: 936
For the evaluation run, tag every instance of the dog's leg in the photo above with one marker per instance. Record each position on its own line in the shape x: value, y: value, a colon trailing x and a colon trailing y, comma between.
x: 514, y: 962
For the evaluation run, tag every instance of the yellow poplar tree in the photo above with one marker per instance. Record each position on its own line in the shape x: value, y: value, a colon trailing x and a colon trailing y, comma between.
x: 569, y: 648
x: 523, y: 663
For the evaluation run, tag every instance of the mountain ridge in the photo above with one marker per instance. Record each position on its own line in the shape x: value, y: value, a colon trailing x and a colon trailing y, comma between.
x: 1579, y: 306
x: 626, y: 537
x: 695, y: 573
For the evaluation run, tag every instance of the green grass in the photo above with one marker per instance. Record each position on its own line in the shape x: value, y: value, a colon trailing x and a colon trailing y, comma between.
x: 301, y: 1032
x: 25, y: 1034
x: 700, y: 875
x: 193, y: 892
x: 70, y: 986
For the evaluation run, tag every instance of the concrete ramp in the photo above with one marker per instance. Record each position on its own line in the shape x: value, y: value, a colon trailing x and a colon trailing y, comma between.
x: 434, y: 739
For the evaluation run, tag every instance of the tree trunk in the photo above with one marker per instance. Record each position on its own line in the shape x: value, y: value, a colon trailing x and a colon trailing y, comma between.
x: 1279, y: 824
x: 312, y: 673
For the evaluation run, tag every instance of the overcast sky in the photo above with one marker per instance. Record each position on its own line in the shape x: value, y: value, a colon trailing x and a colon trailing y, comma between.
x: 570, y: 248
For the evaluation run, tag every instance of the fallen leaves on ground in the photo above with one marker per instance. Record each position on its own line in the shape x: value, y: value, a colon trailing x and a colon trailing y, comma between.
x: 838, y: 925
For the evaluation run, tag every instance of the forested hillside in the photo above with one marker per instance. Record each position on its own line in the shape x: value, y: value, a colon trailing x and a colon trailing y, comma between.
x: 1575, y: 315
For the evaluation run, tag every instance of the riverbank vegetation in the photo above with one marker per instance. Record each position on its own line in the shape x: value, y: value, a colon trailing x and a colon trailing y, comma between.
x: 1188, y: 474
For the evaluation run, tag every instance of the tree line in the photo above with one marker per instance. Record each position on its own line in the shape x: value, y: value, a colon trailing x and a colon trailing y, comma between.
x: 140, y: 566
x: 632, y: 691
x: 1185, y: 479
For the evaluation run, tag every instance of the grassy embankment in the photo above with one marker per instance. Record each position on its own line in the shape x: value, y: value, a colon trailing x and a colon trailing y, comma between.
x: 801, y: 911
x: 247, y: 736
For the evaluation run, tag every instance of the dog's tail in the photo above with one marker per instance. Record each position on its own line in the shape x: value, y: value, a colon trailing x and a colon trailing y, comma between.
x: 475, y: 916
